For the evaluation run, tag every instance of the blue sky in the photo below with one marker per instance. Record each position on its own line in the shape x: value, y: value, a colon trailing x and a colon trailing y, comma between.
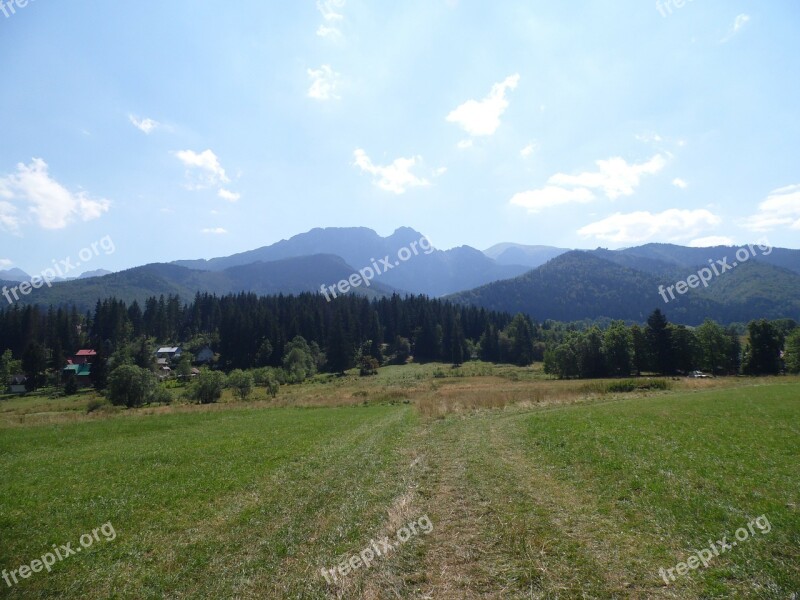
x: 189, y: 129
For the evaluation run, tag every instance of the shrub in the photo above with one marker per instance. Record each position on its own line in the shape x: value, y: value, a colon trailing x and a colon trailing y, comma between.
x: 207, y: 386
x: 241, y: 382
x: 368, y: 366
x: 130, y: 386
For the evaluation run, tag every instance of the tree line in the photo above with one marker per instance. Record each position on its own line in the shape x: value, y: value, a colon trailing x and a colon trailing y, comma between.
x: 300, y: 335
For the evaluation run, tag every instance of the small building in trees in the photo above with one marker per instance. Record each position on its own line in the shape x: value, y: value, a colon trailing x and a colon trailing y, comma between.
x: 85, y: 356
x: 204, y: 356
x: 17, y: 384
x: 171, y: 353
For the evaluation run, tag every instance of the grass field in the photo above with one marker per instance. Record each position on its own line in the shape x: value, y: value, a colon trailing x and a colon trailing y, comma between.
x: 534, y: 489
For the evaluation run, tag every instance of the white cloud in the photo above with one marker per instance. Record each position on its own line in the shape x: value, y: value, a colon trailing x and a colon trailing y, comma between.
x: 228, y: 195
x: 325, y: 31
x: 680, y: 183
x: 324, y: 82
x: 711, y: 242
x: 465, y: 144
x: 780, y: 209
x: 51, y: 204
x: 738, y: 24
x: 214, y: 231
x: 396, y: 177
x: 671, y: 225
x: 529, y: 150
x: 202, y: 169
x: 537, y: 200
x: 614, y: 176
x: 5, y: 263
x: 9, y: 219
x: 330, y: 10
x: 482, y: 117
x: 649, y: 138
x: 145, y: 125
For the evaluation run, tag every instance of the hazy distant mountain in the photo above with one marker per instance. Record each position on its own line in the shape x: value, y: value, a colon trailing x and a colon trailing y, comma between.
x: 436, y: 274
x: 290, y: 276
x: 14, y: 274
x: 652, y: 255
x: 519, y: 254
x: 583, y: 285
x: 95, y: 273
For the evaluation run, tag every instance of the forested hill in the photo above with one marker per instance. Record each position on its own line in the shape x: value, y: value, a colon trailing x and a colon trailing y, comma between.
x: 581, y: 285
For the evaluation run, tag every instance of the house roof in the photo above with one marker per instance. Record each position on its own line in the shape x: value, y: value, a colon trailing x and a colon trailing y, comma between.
x: 79, y: 370
x: 86, y: 353
x: 168, y: 350
x: 18, y: 379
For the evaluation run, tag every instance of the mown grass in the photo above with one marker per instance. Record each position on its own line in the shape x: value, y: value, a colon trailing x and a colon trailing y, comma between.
x: 536, y: 489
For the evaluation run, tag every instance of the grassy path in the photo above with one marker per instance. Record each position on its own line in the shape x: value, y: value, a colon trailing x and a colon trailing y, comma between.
x: 574, y: 501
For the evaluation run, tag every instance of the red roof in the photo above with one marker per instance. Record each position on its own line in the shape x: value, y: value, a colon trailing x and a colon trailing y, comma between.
x: 86, y: 353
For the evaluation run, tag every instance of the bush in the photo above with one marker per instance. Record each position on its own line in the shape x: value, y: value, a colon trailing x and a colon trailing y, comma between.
x: 625, y: 386
x: 95, y: 404
x: 131, y: 386
x: 241, y: 382
x: 207, y: 386
x: 368, y: 366
x: 161, y: 395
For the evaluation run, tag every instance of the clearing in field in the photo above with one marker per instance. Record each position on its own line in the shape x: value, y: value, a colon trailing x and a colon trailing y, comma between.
x: 532, y: 489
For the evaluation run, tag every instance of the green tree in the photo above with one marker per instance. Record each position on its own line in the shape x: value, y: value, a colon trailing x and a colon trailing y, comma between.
x: 618, y: 349
x: 659, y: 343
x: 765, y: 345
x: 792, y: 354
x: 714, y: 347
x: 131, y: 386
x: 34, y: 364
x: 520, y: 333
x: 641, y: 358
x: 298, y: 360
x: 241, y: 382
x: 207, y: 386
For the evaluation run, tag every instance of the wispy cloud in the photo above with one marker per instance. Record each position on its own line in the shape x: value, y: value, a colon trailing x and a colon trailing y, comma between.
x: 145, y: 125
x: 738, y: 25
x: 673, y: 225
x: 203, y: 169
x: 615, y: 176
x: 482, y: 117
x: 711, y: 242
x: 395, y: 177
x: 228, y: 195
x: 214, y: 231
x: 50, y: 204
x: 332, y: 16
x: 537, y: 200
x: 324, y: 82
x: 780, y: 209
x: 680, y: 183
x: 528, y: 150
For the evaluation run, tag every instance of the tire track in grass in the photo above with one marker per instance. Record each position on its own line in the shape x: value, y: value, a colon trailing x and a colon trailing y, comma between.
x: 505, y: 527
x: 607, y: 551
x: 342, y: 491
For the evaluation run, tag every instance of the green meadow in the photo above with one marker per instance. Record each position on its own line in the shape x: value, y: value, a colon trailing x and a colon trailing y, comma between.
x: 534, y: 488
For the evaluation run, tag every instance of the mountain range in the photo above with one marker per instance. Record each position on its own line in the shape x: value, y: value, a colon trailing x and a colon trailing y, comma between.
x: 542, y: 281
